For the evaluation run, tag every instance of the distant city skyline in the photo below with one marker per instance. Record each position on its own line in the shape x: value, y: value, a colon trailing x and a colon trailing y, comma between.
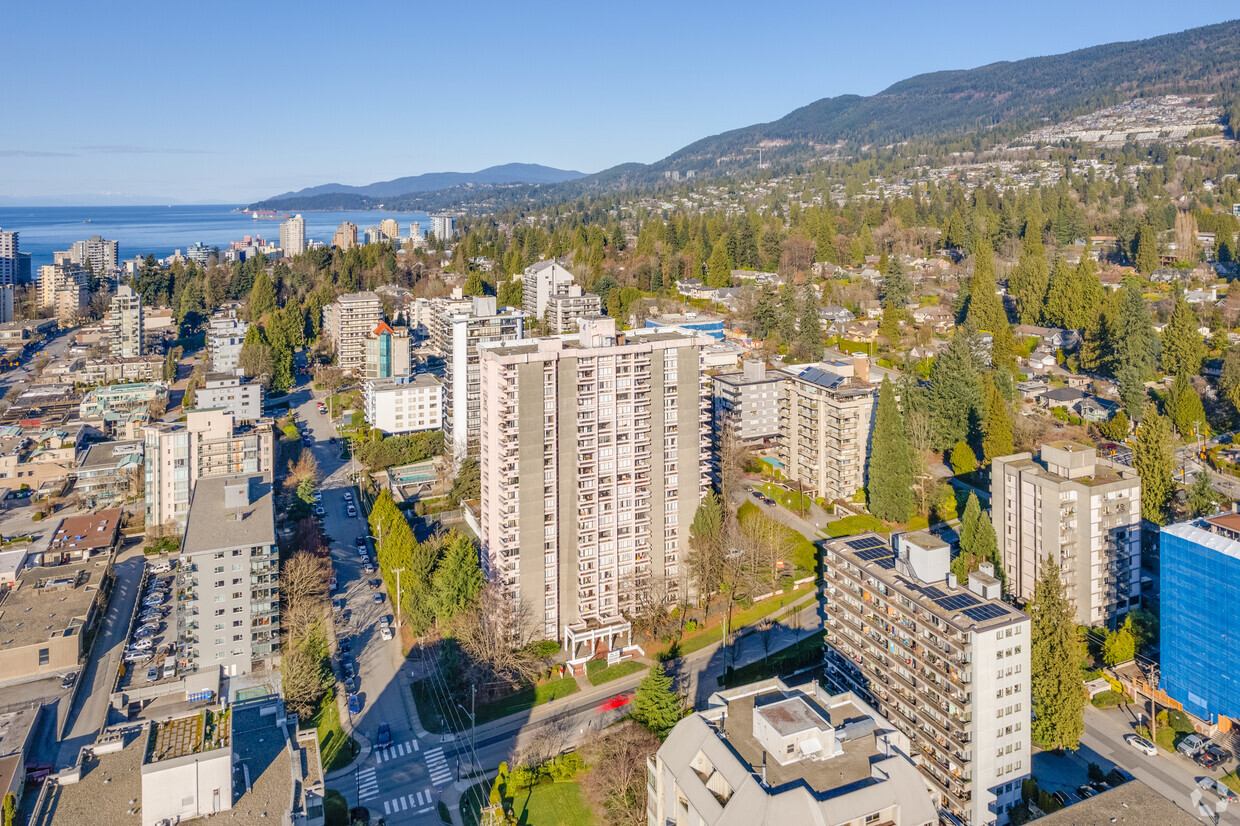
x: 240, y: 102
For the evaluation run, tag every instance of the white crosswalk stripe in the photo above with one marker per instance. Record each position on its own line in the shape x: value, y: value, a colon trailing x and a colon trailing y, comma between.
x: 367, y: 784
x: 400, y: 751
x: 437, y: 766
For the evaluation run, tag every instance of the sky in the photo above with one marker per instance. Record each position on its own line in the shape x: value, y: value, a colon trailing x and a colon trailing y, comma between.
x: 154, y: 102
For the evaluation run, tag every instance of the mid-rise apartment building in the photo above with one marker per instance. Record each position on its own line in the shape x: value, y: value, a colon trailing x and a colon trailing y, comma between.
x: 825, y: 421
x: 1081, y: 511
x: 225, y: 336
x: 389, y: 352
x: 463, y: 329
x: 99, y: 254
x: 948, y: 666
x: 404, y: 404
x: 767, y: 754
x: 228, y: 392
x: 1199, y: 579
x: 594, y: 456
x: 123, y: 325
x: 390, y: 228
x: 228, y: 608
x: 346, y: 236
x: 347, y: 322
x: 293, y: 236
x: 746, y: 403
x: 10, y: 265
x: 64, y: 289
x: 564, y: 311
x: 443, y: 227
x: 539, y: 282
x: 208, y: 444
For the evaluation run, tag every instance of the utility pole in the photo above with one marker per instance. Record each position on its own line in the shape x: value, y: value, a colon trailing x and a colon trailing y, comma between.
x: 398, y: 572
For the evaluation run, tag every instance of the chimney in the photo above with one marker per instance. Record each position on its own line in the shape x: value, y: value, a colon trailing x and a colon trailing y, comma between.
x: 861, y: 368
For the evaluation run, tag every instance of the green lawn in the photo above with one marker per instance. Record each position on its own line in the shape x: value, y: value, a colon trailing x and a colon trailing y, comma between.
x: 792, y: 500
x: 435, y: 719
x: 806, y: 653
x: 740, y: 619
x: 801, y: 552
x: 335, y: 747
x: 1232, y: 780
x: 335, y: 809
x: 552, y: 804
x: 860, y: 523
x: 614, y: 672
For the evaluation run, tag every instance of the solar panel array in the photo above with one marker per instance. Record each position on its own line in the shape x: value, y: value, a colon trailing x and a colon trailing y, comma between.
x: 981, y: 613
x: 874, y: 553
x: 866, y: 542
x: 958, y: 602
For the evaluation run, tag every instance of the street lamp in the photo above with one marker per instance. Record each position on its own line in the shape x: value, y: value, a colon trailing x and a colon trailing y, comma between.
x: 398, y: 572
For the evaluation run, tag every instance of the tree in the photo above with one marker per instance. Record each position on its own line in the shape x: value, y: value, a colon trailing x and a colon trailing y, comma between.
x: 1055, y: 664
x: 706, y: 546
x: 985, y: 308
x: 458, y: 579
x: 256, y: 357
x: 1120, y: 645
x: 1202, y: 499
x: 474, y: 285
x: 1029, y: 280
x: 1182, y: 347
x: 494, y: 634
x: 467, y: 484
x: 262, y: 296
x: 809, y: 333
x: 719, y: 267
x: 10, y: 809
x: 1184, y: 408
x: 617, y: 759
x: 305, y: 491
x: 1132, y: 340
x: 656, y: 705
x: 890, y: 482
x: 969, y: 521
x: 1116, y: 428
x: 997, y: 429
x: 963, y: 458
x: 1229, y: 381
x: 1146, y: 259
x: 955, y: 391
x: 1153, y: 460
x: 895, y: 287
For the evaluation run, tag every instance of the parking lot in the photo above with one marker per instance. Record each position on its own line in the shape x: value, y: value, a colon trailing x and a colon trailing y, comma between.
x: 150, y: 650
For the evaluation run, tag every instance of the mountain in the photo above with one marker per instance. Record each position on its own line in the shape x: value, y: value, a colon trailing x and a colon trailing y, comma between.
x: 511, y: 173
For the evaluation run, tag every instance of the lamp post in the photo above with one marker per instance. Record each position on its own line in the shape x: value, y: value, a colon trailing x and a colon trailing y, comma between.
x: 397, y: 571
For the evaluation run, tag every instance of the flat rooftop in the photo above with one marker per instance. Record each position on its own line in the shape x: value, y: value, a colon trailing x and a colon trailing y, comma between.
x: 106, y: 454
x: 212, y: 526
x: 839, y: 772
x: 48, y: 601
x: 108, y: 786
x: 170, y: 739
x: 1133, y: 802
x: 259, y: 745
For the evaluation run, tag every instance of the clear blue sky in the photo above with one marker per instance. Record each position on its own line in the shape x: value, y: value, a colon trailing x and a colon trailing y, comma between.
x: 223, y: 100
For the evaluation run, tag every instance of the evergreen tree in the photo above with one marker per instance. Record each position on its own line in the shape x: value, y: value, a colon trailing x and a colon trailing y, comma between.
x: 968, y: 522
x: 1146, y: 258
x: 458, y: 580
x: 9, y: 815
x: 955, y: 391
x: 1132, y: 391
x: 1184, y: 408
x: 1132, y: 340
x: 890, y: 484
x: 1029, y: 280
x: 788, y: 312
x: 474, y: 285
x: 1182, y: 347
x: 1229, y: 381
x: 954, y: 233
x: 964, y: 460
x: 889, y: 326
x: 1055, y: 664
x: 1202, y: 499
x: 985, y: 308
x: 1116, y: 429
x: 705, y: 556
x: 1061, y: 302
x: 809, y: 333
x: 997, y: 440
x: 656, y: 705
x: 719, y: 267
x: 262, y: 296
x: 895, y: 288
x: 1153, y: 460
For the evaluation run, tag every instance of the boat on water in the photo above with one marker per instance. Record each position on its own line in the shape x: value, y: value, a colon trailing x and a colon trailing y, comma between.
x: 269, y: 215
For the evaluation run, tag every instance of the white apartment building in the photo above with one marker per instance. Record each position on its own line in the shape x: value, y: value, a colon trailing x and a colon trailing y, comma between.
x: 463, y: 328
x: 10, y: 249
x: 347, y: 322
x: 207, y: 444
x: 63, y: 288
x: 825, y: 421
x: 228, y: 392
x: 404, y: 404
x: 947, y: 665
x: 1082, y: 511
x: 595, y: 453
x: 99, y: 254
x: 443, y: 227
x: 225, y: 337
x: 123, y: 325
x: 293, y: 236
x: 539, y: 282
x: 767, y: 754
x: 564, y: 311
x: 229, y: 615
x: 747, y: 402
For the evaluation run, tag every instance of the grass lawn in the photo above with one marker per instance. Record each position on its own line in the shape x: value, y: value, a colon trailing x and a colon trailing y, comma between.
x: 335, y: 747
x: 801, y: 552
x: 335, y: 809
x: 1232, y: 780
x: 792, y: 500
x: 552, y: 804
x: 435, y: 719
x: 806, y: 653
x: 860, y: 523
x: 614, y: 672
x: 699, y: 640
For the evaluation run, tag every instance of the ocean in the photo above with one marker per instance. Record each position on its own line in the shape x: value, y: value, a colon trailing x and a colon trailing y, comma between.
x: 160, y: 230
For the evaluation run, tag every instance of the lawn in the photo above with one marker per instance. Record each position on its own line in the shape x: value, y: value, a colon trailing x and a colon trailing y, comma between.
x: 860, y: 523
x: 740, y: 619
x: 335, y: 809
x: 336, y: 748
x: 552, y: 804
x: 792, y: 500
x: 804, y: 654
x: 1232, y: 780
x: 435, y: 720
x: 614, y: 672
x: 801, y: 551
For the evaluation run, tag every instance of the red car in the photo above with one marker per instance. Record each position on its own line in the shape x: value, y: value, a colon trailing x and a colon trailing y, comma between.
x: 613, y: 703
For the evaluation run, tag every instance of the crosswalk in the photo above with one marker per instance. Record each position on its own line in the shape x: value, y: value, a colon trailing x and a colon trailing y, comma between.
x: 367, y: 784
x: 395, y: 751
x: 417, y: 803
x: 437, y: 765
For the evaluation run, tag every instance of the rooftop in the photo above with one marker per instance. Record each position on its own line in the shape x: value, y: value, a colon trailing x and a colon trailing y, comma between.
x: 110, y: 783
x: 106, y: 454
x: 197, y: 733
x: 212, y: 525
x: 394, y: 382
x: 1133, y: 802
x: 48, y: 601
x: 89, y: 534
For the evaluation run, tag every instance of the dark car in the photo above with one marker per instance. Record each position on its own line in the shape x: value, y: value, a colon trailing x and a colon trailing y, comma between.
x: 1061, y: 797
x: 355, y: 704
x: 361, y: 543
x: 378, y: 598
x: 69, y: 680
x: 345, y: 646
x: 1212, y: 756
x: 1085, y: 792
x: 383, y: 738
x: 374, y: 583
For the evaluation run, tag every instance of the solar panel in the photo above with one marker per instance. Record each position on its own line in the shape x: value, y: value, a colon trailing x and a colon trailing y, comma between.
x: 866, y: 542
x: 981, y: 613
x: 888, y: 562
x: 934, y: 593
x: 871, y: 554
x: 956, y: 602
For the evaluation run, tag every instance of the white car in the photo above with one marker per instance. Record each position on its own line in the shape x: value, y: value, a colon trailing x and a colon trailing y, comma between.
x: 1141, y: 744
x: 161, y: 567
x: 143, y: 645
x: 385, y: 633
x: 352, y: 511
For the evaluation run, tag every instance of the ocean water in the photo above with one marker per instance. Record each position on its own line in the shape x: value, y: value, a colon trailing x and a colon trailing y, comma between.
x: 160, y: 230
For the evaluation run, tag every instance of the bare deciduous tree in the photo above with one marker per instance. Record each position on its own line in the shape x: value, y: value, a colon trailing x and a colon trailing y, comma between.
x: 616, y: 784
x: 301, y: 683
x: 303, y: 579
x: 494, y: 634
x: 306, y: 467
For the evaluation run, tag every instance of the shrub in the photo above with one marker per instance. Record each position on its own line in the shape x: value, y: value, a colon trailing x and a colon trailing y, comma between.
x: 1143, y: 731
x: 566, y: 766
x: 1178, y: 721
x: 690, y: 626
x: 1107, y: 699
x: 543, y: 648
x: 1047, y: 803
x: 859, y: 523
x: 964, y: 460
x: 1029, y: 788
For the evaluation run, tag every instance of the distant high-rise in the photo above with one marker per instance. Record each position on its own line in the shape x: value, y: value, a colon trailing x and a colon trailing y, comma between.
x: 63, y: 288
x: 9, y: 258
x: 346, y: 236
x: 123, y: 326
x: 443, y: 227
x: 541, y: 281
x: 293, y: 236
x: 390, y: 228
x: 100, y: 255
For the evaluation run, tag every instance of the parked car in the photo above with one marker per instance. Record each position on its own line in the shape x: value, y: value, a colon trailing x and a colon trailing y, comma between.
x: 1210, y: 784
x: 378, y: 598
x: 348, y: 496
x: 1212, y: 756
x: 1085, y: 792
x: 360, y: 542
x: 319, y: 512
x: 385, y: 620
x: 152, y: 674
x: 352, y: 511
x: 383, y: 737
x: 134, y: 655
x: 1141, y: 744
x: 1190, y: 745
x: 1061, y: 797
x: 374, y: 583
x: 152, y: 601
x: 368, y: 568
x: 160, y: 567
x: 344, y: 646
x: 386, y: 633
x: 355, y: 704
x: 69, y: 680
x: 318, y: 496
x: 148, y: 630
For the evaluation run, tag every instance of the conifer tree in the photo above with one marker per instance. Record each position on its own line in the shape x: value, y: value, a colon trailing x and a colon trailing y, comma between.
x: 1055, y: 664
x: 1184, y: 408
x: 955, y: 391
x: 968, y: 522
x: 890, y: 482
x: 809, y: 332
x: 262, y: 296
x: 656, y: 705
x: 1132, y: 340
x: 963, y: 459
x: 1153, y: 460
x: 1029, y: 280
x: 719, y: 267
x: 1182, y: 347
x: 986, y: 308
x: 1146, y: 259
x: 998, y: 426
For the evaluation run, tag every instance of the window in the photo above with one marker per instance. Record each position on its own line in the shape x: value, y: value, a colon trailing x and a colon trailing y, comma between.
x: 236, y: 638
x: 45, y: 656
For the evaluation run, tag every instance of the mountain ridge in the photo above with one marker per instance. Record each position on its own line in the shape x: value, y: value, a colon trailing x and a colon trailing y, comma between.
x: 510, y: 173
